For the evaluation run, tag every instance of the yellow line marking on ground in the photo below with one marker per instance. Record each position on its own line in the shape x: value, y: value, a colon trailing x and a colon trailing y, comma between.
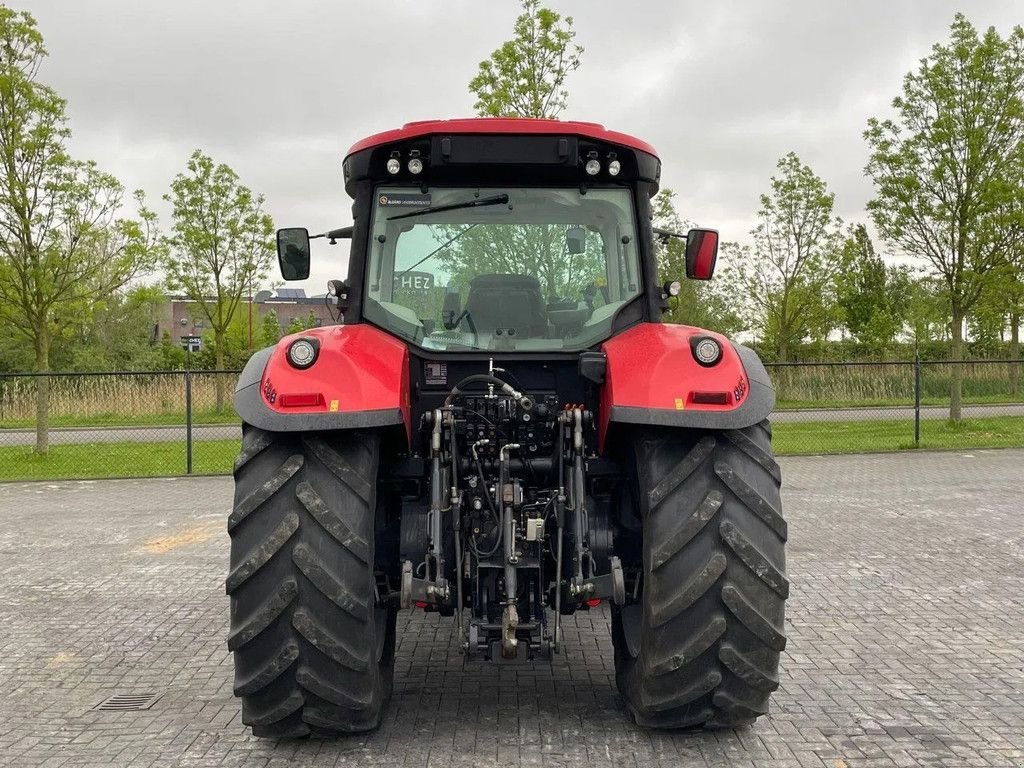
x: 60, y: 659
x: 196, y: 535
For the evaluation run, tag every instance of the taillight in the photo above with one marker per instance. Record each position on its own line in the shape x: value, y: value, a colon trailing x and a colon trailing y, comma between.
x: 301, y: 400
x: 710, y: 398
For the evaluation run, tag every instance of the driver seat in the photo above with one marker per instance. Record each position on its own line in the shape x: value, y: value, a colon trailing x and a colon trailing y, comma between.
x: 507, y: 302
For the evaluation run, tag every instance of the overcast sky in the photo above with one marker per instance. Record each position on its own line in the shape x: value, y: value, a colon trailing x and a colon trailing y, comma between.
x: 280, y: 90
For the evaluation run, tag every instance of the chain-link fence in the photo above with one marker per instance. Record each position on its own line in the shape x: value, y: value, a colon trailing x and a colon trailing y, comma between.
x: 863, y: 406
x: 131, y: 424
x: 181, y: 422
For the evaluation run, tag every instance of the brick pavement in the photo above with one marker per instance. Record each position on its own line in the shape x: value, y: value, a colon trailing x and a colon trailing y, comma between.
x: 906, y: 638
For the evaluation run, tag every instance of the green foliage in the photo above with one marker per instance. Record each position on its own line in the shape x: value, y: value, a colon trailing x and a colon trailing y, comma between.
x: 871, y: 297
x: 116, y: 332
x: 172, y: 355
x: 299, y: 324
x: 949, y: 169
x: 269, y: 329
x: 927, y: 314
x: 788, y: 274
x: 526, y: 76
x: 65, y: 244
x: 712, y: 304
x: 221, y: 243
x: 63, y: 241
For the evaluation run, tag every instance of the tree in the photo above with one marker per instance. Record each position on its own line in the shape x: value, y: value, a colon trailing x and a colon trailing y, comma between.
x: 872, y: 297
x: 706, y: 304
x: 948, y: 169
x: 64, y: 242
x: 115, y: 333
x: 927, y: 313
x: 526, y: 76
x: 789, y: 272
x: 221, y: 245
x: 269, y: 330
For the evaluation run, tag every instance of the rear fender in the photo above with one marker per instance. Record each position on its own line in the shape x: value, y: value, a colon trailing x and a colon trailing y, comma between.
x: 652, y: 378
x: 360, y: 380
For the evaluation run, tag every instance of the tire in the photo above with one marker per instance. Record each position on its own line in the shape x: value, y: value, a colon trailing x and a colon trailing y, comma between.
x: 313, y: 651
x: 700, y: 647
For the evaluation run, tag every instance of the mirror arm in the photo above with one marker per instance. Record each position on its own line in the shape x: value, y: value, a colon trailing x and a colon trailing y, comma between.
x: 666, y: 233
x: 334, y: 235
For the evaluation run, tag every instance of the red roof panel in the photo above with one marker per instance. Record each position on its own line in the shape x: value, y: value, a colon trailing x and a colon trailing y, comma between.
x: 484, y: 125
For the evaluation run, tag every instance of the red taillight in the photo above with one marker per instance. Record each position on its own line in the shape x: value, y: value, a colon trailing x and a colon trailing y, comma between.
x: 710, y: 398
x: 593, y: 602
x: 421, y: 603
x: 301, y: 400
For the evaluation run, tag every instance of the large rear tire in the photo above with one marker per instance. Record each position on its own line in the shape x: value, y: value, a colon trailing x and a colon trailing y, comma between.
x: 313, y: 650
x: 700, y: 647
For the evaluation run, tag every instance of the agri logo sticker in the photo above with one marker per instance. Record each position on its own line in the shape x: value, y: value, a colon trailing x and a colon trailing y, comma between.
x: 404, y: 200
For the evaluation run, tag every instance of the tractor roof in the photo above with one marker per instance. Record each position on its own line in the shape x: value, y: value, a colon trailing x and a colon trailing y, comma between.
x: 500, y: 125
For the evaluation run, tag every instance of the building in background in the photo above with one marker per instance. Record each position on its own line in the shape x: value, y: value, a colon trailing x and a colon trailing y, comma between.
x: 180, y: 315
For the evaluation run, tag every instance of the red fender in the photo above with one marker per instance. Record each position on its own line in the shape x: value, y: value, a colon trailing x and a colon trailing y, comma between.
x: 360, y: 380
x: 653, y: 378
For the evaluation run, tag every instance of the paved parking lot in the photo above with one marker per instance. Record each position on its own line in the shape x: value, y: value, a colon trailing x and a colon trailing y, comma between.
x: 906, y: 638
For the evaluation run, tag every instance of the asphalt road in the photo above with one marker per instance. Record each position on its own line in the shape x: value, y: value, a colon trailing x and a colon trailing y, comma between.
x: 72, y: 435
x: 905, y: 628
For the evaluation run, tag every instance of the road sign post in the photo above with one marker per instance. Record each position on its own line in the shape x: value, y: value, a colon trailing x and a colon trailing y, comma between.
x: 191, y: 344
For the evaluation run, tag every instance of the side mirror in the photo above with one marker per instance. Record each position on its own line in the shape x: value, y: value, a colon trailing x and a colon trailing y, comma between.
x: 576, y: 240
x: 293, y: 253
x: 701, y: 253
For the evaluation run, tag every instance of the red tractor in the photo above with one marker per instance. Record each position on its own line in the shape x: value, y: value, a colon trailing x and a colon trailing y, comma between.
x: 502, y: 430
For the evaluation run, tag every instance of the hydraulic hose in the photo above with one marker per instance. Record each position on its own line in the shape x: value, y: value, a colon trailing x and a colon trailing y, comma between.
x: 482, y: 378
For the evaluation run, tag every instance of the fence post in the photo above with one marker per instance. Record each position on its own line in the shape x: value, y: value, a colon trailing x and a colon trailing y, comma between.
x: 188, y: 420
x: 917, y: 398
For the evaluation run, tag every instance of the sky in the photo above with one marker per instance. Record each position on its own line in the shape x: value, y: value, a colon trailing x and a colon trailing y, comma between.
x: 279, y: 91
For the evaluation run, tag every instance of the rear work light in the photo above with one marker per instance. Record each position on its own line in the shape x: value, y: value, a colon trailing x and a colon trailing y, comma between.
x: 415, y: 163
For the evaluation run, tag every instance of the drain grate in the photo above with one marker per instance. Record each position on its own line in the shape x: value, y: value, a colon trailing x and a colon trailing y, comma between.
x: 129, y: 702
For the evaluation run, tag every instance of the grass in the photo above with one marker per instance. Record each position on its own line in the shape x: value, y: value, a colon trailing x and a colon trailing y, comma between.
x: 885, y: 402
x: 158, y: 419
x: 795, y: 438
x: 167, y: 459
x: 98, y: 460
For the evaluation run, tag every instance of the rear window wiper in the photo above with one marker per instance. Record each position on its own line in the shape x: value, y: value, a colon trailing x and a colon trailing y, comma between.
x: 479, y: 203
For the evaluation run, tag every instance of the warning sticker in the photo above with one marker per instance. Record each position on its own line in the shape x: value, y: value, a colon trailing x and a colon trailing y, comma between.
x: 435, y: 374
x: 403, y: 200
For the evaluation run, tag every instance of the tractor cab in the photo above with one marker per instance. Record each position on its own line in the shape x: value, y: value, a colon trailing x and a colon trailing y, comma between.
x: 496, y: 234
